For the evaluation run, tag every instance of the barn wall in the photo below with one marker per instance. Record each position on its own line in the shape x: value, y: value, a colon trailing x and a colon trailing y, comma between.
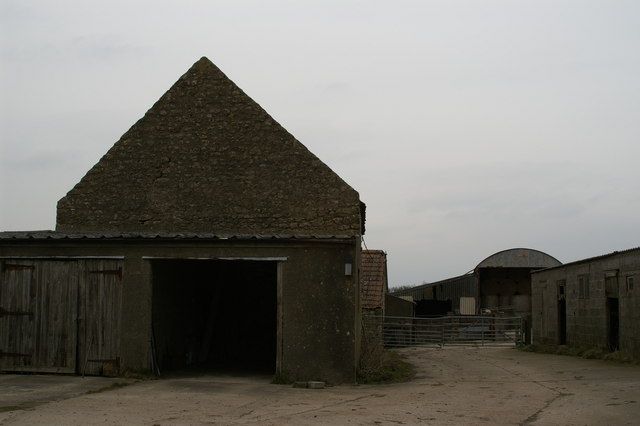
x: 319, y: 305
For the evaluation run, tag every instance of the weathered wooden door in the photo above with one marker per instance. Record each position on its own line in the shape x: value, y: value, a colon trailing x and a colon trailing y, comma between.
x: 56, y: 310
x: 60, y: 316
x: 39, y: 308
x: 17, y: 293
x: 99, y: 331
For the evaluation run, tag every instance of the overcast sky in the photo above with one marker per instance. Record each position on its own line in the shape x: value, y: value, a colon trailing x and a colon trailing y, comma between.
x: 468, y: 127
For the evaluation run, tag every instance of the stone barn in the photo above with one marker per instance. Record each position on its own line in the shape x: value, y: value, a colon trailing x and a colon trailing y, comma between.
x: 590, y: 303
x: 207, y: 237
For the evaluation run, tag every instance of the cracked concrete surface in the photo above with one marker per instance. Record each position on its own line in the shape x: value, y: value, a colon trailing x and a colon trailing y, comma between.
x: 463, y: 385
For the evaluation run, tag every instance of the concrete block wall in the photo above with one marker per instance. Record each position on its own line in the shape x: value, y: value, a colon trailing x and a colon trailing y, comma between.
x: 587, y: 318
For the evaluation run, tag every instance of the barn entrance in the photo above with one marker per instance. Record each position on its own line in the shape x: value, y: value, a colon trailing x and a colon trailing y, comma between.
x: 215, y: 315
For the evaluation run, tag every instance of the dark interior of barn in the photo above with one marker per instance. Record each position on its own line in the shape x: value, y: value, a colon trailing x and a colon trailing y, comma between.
x: 505, y: 289
x: 505, y: 281
x: 214, y: 316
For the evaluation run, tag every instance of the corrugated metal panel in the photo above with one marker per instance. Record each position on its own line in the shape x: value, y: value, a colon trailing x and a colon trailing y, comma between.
x: 450, y: 289
x: 591, y: 259
x: 467, y: 306
x: 455, y: 288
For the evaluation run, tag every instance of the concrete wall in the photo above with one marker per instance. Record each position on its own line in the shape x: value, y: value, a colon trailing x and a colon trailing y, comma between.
x: 588, y: 318
x: 318, y: 305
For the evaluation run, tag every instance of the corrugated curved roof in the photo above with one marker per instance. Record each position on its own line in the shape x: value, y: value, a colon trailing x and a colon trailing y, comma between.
x: 519, y: 258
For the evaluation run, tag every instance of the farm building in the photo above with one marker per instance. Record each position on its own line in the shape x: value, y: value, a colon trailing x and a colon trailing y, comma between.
x: 504, y: 279
x: 593, y: 302
x: 500, y: 283
x: 207, y: 237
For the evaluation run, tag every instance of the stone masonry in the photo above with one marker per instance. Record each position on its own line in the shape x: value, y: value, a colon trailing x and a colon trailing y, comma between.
x: 207, y: 158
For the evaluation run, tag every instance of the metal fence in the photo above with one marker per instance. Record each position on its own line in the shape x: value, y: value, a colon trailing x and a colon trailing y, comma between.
x: 397, y: 332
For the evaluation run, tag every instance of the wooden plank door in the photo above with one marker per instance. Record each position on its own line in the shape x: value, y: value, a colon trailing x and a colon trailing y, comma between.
x: 56, y: 311
x: 100, y: 309
x: 17, y: 326
x: 39, y: 309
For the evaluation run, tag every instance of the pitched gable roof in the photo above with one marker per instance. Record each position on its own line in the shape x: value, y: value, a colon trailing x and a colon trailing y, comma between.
x: 374, y: 278
x: 207, y: 158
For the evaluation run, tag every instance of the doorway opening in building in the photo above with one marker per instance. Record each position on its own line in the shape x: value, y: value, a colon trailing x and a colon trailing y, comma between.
x: 562, y: 313
x: 614, y: 323
x: 214, y: 316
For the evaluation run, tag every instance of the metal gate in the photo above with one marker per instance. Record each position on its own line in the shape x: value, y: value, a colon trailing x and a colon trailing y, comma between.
x: 397, y: 332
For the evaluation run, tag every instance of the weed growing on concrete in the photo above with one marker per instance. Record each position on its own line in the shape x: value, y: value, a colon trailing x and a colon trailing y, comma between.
x: 380, y: 365
x: 112, y: 386
x: 281, y: 379
x: 138, y: 375
x: 389, y: 368
x: 587, y: 353
x: 10, y: 408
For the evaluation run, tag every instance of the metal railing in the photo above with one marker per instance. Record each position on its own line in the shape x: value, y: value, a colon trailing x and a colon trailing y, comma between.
x: 397, y: 332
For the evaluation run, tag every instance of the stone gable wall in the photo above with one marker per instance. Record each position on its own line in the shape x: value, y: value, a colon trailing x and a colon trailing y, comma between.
x: 207, y: 158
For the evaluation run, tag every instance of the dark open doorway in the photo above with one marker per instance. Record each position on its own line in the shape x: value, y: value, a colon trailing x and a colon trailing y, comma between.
x: 562, y: 313
x: 614, y: 323
x: 215, y: 315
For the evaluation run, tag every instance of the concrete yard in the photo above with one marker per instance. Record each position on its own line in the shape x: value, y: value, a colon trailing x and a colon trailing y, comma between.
x: 463, y: 385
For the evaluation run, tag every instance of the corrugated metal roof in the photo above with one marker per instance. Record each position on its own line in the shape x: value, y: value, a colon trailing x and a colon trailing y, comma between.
x: 450, y: 289
x: 373, y: 277
x: 519, y: 258
x: 75, y: 235
x: 408, y: 291
x: 590, y: 259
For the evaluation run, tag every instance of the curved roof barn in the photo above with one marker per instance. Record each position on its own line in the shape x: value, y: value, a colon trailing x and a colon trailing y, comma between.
x: 519, y: 258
